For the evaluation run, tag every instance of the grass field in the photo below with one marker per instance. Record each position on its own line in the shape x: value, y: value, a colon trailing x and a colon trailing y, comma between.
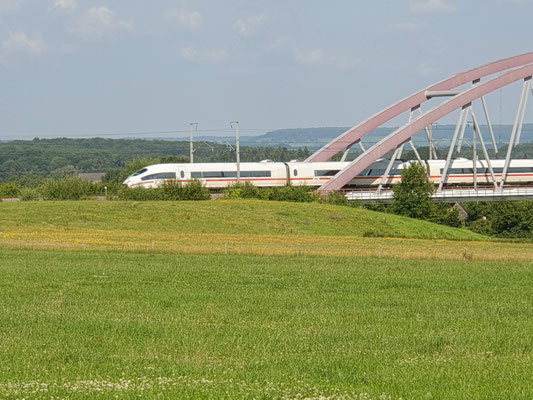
x: 127, y: 300
x: 106, y: 324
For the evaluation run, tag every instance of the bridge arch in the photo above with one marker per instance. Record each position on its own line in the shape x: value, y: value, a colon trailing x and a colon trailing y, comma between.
x: 403, y: 133
x: 354, y: 134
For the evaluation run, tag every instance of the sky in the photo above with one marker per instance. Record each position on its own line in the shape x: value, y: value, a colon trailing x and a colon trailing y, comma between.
x: 72, y: 68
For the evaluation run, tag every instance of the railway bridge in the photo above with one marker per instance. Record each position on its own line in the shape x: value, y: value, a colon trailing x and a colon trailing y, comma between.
x: 456, y: 94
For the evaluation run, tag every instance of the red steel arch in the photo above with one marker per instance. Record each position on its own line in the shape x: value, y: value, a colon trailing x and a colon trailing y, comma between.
x: 404, y: 133
x: 352, y: 135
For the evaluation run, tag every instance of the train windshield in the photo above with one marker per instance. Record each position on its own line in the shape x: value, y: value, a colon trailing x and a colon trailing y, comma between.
x: 139, y: 172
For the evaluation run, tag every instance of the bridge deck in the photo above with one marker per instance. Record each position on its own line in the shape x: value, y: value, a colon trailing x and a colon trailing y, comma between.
x: 451, y: 195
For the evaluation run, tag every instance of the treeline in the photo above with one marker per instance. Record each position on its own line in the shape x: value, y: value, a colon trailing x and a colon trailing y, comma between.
x: 25, y: 161
x: 505, y: 219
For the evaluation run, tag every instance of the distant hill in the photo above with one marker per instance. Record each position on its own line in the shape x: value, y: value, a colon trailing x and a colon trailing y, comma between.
x: 314, y: 138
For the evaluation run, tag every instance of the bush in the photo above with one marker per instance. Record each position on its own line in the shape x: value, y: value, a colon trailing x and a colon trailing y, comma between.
x: 412, y: 196
x: 299, y: 194
x: 444, y: 214
x: 508, y: 219
x: 266, y: 194
x: 9, y: 189
x: 29, y: 194
x: 193, y: 190
x: 246, y: 190
x: 336, y: 199
x: 278, y: 193
x: 512, y: 219
x: 482, y: 226
x: 139, y: 194
x: 232, y: 192
x: 171, y: 191
x: 68, y: 188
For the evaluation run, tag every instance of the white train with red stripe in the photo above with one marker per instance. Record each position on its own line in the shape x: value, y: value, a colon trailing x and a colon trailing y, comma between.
x: 268, y: 173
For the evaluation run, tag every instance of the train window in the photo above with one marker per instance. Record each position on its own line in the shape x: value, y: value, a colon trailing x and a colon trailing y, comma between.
x: 364, y: 172
x: 326, y: 172
x: 167, y: 175
x: 517, y: 170
x: 454, y: 171
x: 395, y: 172
x: 182, y: 174
x: 256, y: 174
x: 230, y: 174
x: 212, y: 174
x: 295, y: 172
x: 139, y: 172
x: 161, y: 175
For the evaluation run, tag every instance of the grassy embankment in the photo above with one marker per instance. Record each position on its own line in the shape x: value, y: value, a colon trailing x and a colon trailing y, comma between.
x: 242, y: 227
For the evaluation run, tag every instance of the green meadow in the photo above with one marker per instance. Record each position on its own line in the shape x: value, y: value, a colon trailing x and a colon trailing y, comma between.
x: 134, y: 322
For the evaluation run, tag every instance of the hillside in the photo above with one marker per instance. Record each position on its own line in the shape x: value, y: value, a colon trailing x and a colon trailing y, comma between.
x: 235, y: 217
x: 241, y: 227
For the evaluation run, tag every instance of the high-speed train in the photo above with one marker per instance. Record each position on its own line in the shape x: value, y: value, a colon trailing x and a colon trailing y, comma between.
x: 268, y: 173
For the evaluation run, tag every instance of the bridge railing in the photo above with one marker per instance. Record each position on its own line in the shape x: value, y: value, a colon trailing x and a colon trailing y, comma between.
x: 450, y: 194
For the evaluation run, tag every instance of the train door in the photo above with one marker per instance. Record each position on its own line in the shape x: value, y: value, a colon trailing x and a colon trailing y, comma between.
x: 288, y: 174
x: 295, y: 172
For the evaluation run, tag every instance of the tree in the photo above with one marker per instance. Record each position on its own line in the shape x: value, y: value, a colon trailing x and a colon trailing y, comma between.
x: 412, y: 196
x: 67, y: 170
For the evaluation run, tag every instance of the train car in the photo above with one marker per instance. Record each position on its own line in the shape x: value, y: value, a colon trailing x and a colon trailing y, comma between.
x: 213, y: 175
x: 461, y: 172
x: 270, y: 174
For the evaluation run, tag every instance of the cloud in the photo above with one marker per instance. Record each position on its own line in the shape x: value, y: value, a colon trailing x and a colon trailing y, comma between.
x: 20, y: 42
x: 65, y: 5
x: 248, y: 25
x: 190, y: 53
x: 98, y: 22
x: 318, y: 57
x: 9, y: 5
x: 186, y: 19
x: 431, y: 6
